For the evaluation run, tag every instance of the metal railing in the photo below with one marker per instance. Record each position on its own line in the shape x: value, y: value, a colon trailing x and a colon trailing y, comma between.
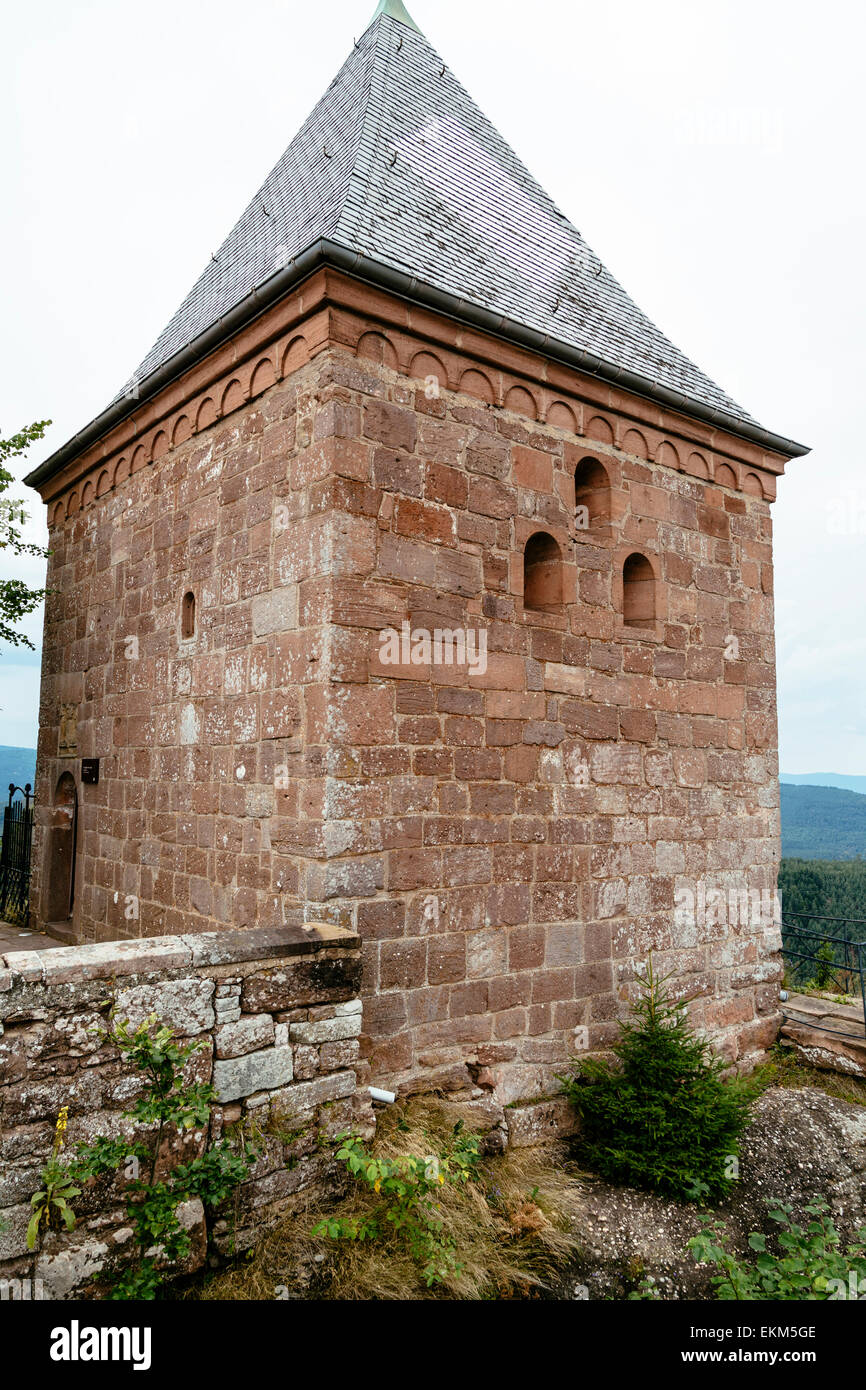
x: 825, y: 958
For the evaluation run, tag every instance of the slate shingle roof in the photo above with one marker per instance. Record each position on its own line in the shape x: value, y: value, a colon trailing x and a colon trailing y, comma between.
x: 456, y: 208
x: 398, y: 165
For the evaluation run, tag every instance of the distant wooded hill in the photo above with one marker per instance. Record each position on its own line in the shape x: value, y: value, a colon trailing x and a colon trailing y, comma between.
x: 822, y: 823
x: 17, y: 765
x: 849, y: 782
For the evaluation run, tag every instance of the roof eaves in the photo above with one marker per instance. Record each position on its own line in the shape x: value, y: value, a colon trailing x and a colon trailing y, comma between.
x: 410, y: 288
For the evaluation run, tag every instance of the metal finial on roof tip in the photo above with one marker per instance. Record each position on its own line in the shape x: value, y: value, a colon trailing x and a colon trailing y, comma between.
x: 395, y: 9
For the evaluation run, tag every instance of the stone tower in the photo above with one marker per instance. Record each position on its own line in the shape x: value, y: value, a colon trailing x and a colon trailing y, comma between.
x: 416, y: 582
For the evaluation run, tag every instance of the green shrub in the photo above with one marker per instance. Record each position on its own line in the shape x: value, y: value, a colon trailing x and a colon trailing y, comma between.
x: 407, y: 1188
x: 661, y: 1116
x: 810, y: 1265
x: 825, y: 962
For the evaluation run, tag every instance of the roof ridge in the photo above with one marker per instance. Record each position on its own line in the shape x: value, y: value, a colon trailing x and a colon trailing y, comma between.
x: 363, y: 162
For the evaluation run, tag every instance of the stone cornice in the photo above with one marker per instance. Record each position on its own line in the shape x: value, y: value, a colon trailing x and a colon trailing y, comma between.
x: 333, y: 309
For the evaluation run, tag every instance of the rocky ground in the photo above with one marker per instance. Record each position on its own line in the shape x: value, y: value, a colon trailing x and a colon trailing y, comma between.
x: 597, y: 1241
x: 800, y: 1143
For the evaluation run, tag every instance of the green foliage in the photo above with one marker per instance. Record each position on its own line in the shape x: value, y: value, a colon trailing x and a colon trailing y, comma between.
x: 408, y: 1187
x: 812, y: 893
x: 140, y: 1282
x: 663, y: 1118
x: 16, y: 598
x: 809, y: 1263
x: 168, y: 1105
x: 51, y: 1204
x: 215, y: 1174
x: 826, y: 887
x: 168, y: 1099
x: 824, y: 965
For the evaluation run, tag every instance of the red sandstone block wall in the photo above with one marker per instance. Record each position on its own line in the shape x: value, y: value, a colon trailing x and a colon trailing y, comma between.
x: 547, y: 890
x: 509, y: 843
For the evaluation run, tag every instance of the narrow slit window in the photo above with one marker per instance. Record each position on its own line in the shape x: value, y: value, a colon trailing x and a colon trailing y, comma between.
x: 187, y: 615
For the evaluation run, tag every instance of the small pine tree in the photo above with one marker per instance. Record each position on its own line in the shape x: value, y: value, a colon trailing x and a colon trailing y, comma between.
x: 664, y: 1118
x: 825, y: 965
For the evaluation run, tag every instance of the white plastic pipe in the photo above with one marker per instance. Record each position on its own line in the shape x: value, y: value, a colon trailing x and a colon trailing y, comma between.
x: 388, y: 1097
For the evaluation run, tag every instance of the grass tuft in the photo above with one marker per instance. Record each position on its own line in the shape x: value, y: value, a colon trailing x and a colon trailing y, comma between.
x: 510, y: 1226
x: 791, y: 1071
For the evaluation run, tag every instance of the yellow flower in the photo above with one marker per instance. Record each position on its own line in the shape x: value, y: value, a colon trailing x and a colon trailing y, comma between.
x: 377, y: 1184
x: 441, y: 1177
x: 60, y: 1128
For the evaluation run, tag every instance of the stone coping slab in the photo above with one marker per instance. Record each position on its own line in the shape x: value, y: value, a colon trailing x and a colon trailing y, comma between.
x: 106, y: 959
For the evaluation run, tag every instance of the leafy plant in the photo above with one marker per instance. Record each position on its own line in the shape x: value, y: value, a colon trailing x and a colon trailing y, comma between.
x: 407, y: 1186
x: 169, y: 1105
x: 16, y: 598
x: 810, y: 1265
x: 51, y: 1204
x: 661, y: 1116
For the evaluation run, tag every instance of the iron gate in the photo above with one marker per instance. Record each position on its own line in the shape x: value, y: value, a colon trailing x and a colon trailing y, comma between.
x: 15, y: 852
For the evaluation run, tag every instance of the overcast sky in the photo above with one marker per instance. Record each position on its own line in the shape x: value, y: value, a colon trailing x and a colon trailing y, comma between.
x: 711, y: 154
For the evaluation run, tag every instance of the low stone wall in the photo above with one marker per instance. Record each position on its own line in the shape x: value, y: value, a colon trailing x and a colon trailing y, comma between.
x: 826, y: 1032
x: 279, y: 1015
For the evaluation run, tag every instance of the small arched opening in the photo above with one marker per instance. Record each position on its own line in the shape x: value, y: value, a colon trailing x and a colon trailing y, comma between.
x: 638, y: 592
x: 591, y: 494
x: 542, y: 574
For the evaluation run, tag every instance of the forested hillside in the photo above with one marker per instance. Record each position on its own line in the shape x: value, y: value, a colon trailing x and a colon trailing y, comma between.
x: 823, y: 898
x: 822, y: 823
x: 829, y: 888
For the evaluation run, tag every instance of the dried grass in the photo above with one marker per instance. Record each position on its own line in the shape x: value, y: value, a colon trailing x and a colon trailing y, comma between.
x: 510, y: 1228
x: 790, y: 1070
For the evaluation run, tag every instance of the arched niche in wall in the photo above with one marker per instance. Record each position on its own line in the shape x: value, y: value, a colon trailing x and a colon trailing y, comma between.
x: 638, y: 592
x: 542, y: 574
x: 591, y: 494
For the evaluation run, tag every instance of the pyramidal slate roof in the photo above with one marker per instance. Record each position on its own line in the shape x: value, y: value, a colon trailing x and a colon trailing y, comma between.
x: 398, y: 176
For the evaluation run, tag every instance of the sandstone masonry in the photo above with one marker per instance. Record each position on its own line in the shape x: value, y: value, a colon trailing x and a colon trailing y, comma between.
x: 508, y: 843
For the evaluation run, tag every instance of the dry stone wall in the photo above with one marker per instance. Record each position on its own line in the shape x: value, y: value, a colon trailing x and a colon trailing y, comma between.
x: 279, y: 1015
